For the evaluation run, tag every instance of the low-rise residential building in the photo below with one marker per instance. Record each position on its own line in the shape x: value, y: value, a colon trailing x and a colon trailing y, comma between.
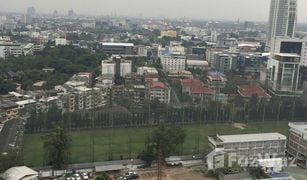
x: 10, y: 110
x: 246, y: 149
x: 61, y: 42
x: 160, y: 91
x: 247, y: 91
x: 141, y: 50
x: 169, y: 33
x: 83, y: 98
x: 216, y: 80
x: 180, y: 74
x: 197, y: 64
x: 146, y: 70
x: 10, y: 49
x: 297, y: 144
x: 138, y: 95
x: 196, y: 89
x: 28, y: 49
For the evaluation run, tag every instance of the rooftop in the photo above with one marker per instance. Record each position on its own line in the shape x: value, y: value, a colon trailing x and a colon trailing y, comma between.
x: 196, y: 86
x: 299, y: 127
x: 117, y: 44
x: 287, y: 55
x: 252, y: 89
x: 19, y: 173
x: 25, y: 102
x: 157, y: 85
x: 251, y: 137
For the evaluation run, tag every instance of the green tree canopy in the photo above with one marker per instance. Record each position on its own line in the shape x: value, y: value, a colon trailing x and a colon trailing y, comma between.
x: 164, y: 139
x: 57, y: 145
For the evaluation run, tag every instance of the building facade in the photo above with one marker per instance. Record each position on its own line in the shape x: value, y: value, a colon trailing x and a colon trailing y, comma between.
x: 297, y: 144
x: 173, y: 62
x: 282, y: 20
x: 283, y: 72
x: 118, y: 48
x: 160, y: 91
x: 245, y: 149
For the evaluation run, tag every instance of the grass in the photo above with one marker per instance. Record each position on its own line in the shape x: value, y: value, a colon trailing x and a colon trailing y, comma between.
x: 114, y: 143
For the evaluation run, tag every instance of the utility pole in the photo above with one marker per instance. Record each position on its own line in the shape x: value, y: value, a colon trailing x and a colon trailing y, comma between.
x: 160, y: 165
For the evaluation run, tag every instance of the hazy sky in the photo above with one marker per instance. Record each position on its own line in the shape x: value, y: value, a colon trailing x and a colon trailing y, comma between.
x: 200, y: 9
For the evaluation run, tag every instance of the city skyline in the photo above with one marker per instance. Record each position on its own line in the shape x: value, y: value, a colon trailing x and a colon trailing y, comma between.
x: 195, y: 9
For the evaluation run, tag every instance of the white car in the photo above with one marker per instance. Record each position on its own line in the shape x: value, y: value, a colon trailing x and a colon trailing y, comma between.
x: 77, y: 176
x: 84, y: 176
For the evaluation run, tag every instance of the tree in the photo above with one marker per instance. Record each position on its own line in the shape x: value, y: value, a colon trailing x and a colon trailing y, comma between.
x: 103, y: 176
x: 166, y: 140
x: 9, y: 160
x: 6, y: 86
x: 57, y: 145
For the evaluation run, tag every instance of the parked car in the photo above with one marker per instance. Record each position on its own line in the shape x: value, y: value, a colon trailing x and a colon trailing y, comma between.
x: 141, y: 166
x: 84, y: 176
x: 77, y: 176
x: 132, y: 175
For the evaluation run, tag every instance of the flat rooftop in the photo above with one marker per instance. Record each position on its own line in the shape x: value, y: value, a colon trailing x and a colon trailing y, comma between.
x: 300, y: 127
x: 287, y: 55
x: 117, y: 44
x: 251, y: 137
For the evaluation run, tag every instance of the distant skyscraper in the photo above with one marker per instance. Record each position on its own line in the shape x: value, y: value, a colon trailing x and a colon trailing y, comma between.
x: 31, y: 12
x: 282, y: 20
x: 71, y: 13
x: 55, y: 13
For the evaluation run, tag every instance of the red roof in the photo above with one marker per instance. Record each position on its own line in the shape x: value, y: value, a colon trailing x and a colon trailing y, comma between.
x: 251, y: 89
x: 196, y: 86
x: 190, y: 82
x: 157, y: 85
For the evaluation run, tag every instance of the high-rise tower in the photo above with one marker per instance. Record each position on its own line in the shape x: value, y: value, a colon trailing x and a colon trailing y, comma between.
x: 282, y: 20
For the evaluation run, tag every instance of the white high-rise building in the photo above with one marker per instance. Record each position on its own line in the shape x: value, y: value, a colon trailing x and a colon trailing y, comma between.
x: 291, y: 45
x: 108, y: 67
x: 282, y: 20
x: 283, y: 72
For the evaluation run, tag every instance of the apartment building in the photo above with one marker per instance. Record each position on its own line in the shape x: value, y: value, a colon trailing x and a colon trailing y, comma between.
x: 118, y: 48
x: 297, y: 144
x: 224, y: 62
x: 160, y: 91
x: 246, y: 149
x: 138, y: 94
x: 172, y: 61
x: 10, y: 49
x: 83, y: 98
x: 283, y: 72
x: 116, y: 65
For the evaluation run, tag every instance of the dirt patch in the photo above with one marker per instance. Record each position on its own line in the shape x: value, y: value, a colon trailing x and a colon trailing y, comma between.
x: 239, y: 125
x: 177, y: 173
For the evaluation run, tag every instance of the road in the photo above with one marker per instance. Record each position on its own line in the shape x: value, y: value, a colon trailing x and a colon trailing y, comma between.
x: 11, y: 135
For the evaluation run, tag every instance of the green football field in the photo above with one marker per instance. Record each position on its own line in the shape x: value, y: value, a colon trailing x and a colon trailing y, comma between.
x: 101, y: 145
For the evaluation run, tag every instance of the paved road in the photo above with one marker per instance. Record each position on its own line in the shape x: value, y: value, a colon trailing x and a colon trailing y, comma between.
x: 11, y: 135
